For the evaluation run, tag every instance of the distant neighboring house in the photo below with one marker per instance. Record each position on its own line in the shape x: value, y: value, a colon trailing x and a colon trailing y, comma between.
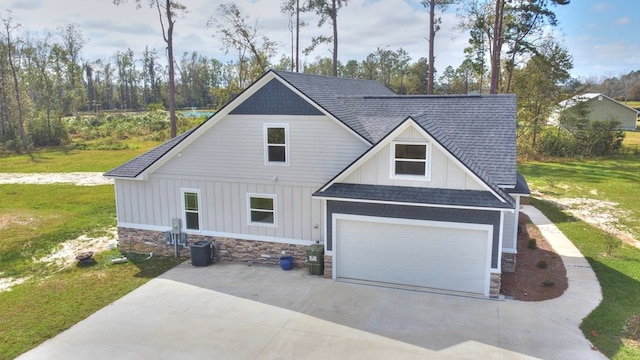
x: 599, y: 107
x: 409, y: 190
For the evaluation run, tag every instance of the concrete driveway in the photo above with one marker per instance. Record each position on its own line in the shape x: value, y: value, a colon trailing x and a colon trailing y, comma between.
x: 235, y: 311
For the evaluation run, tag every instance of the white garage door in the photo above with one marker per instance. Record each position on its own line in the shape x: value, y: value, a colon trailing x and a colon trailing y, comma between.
x: 418, y: 253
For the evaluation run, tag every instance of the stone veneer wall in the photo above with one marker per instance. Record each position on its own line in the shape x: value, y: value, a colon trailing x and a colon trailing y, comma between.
x: 228, y: 249
x: 494, y: 287
x: 328, y: 266
x: 508, y: 262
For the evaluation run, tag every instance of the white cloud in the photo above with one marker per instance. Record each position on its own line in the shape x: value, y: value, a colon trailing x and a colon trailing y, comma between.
x: 623, y: 21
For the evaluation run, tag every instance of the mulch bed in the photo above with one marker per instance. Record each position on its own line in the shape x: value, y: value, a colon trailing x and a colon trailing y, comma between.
x: 527, y: 283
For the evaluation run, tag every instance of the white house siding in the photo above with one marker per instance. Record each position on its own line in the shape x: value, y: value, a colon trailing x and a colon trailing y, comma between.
x: 508, y: 233
x: 223, y: 207
x: 227, y: 162
x: 233, y: 149
x: 445, y: 173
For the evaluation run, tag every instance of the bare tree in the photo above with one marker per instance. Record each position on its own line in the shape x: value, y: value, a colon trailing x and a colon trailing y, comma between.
x: 292, y: 9
x: 327, y: 10
x: 238, y: 34
x: 168, y: 11
x: 434, y: 27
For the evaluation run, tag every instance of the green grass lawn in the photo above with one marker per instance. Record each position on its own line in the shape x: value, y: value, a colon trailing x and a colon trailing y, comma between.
x: 43, y: 216
x: 59, y: 160
x: 34, y: 219
x: 616, y: 265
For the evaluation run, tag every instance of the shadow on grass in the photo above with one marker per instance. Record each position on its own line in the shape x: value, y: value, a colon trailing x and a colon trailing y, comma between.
x: 151, y: 267
x: 591, y: 171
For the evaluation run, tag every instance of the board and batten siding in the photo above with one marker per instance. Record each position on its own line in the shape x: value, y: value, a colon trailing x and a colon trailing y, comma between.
x: 445, y: 173
x: 152, y: 204
x: 233, y: 149
x: 227, y: 162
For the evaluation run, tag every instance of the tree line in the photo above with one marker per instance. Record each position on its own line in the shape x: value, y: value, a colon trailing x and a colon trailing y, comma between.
x: 44, y: 78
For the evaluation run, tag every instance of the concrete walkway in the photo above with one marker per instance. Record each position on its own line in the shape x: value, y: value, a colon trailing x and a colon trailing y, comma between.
x: 235, y: 311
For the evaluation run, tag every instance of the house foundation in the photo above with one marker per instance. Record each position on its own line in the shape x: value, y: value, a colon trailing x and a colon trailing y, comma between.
x: 226, y: 249
x: 508, y: 262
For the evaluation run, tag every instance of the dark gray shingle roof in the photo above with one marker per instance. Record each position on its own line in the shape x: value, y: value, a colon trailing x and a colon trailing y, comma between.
x: 415, y: 195
x: 326, y: 91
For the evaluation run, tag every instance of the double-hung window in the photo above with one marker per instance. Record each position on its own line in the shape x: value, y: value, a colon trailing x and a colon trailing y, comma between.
x: 261, y: 209
x: 410, y: 160
x: 276, y: 144
x: 191, y: 207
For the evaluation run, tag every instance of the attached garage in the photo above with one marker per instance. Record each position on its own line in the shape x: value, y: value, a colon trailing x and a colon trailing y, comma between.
x: 434, y: 254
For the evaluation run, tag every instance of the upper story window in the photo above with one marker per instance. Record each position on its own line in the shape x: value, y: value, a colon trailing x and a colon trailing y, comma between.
x: 191, y: 207
x: 276, y: 144
x: 410, y: 160
x: 261, y: 209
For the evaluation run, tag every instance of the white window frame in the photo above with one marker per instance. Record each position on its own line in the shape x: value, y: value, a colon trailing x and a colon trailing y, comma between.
x: 273, y: 197
x: 183, y: 192
x: 427, y: 161
x: 266, y: 144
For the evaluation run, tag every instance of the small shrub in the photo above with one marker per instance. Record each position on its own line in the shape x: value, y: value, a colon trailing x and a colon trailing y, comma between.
x: 632, y: 326
x: 548, y: 283
x: 541, y: 264
x: 532, y: 244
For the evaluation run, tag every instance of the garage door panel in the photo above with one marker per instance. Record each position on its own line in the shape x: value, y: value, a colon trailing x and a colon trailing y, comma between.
x: 412, y: 254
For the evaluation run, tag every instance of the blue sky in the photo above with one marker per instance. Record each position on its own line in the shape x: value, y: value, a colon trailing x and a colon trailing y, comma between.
x: 602, y: 36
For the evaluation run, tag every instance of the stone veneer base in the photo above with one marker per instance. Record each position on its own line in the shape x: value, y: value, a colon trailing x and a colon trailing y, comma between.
x: 225, y: 249
x: 508, y: 262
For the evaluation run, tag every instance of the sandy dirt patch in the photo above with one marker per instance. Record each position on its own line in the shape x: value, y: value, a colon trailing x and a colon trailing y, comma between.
x: 76, y: 178
x: 602, y: 214
x: 66, y: 253
x: 7, y: 220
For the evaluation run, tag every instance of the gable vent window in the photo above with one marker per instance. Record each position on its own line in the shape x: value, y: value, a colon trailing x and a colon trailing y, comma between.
x: 410, y: 160
x: 276, y: 151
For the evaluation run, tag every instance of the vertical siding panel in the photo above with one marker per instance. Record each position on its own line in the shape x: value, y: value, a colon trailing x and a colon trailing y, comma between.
x: 208, y: 207
x: 286, y: 215
x: 240, y: 191
x: 236, y: 207
x: 318, y: 220
x: 306, y: 211
x: 121, y: 201
x: 228, y: 206
x: 218, y: 203
x: 175, y: 205
x: 150, y: 208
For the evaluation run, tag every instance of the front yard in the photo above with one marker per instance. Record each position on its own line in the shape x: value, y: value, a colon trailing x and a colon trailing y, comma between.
x: 595, y: 204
